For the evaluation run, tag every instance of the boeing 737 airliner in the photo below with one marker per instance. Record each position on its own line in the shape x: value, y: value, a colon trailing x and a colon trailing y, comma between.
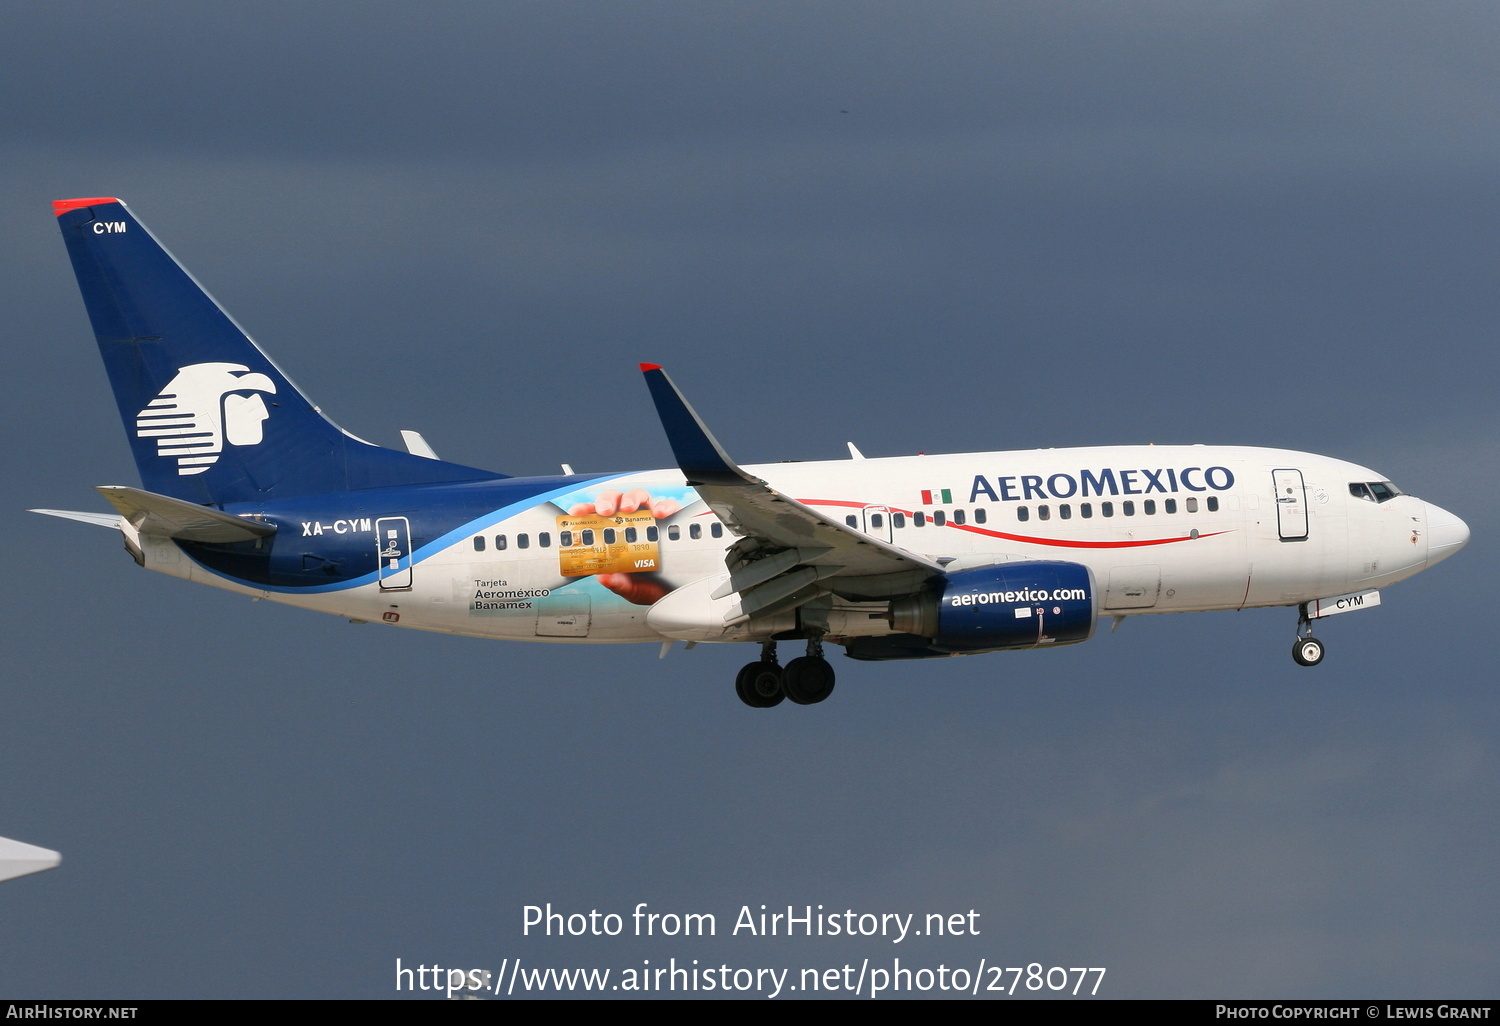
x: 248, y: 487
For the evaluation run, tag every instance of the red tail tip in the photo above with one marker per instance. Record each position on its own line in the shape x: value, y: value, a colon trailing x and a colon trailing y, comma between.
x: 650, y: 366
x: 61, y: 207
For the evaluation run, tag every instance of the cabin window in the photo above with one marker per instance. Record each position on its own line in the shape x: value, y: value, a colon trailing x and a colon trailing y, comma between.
x: 609, y: 536
x: 588, y: 536
x: 919, y: 519
x: 544, y: 539
x: 1044, y: 512
x: 1086, y: 510
x: 479, y: 543
x: 1065, y: 511
x: 1107, y: 508
x: 1128, y: 507
x: 898, y: 519
x: 1213, y: 504
x: 1023, y: 514
x: 980, y: 516
x: 852, y: 521
x: 958, y: 516
x: 716, y: 529
x: 877, y: 521
x: 500, y: 543
x: 1150, y: 507
x: 651, y: 533
x: 939, y: 518
x: 565, y: 538
x: 1192, y: 504
x: 1170, y: 505
x: 523, y: 541
x: 695, y: 531
x: 673, y: 532
x: 630, y: 534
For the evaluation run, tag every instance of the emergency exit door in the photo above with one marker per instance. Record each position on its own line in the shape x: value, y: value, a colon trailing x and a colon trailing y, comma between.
x: 393, y: 549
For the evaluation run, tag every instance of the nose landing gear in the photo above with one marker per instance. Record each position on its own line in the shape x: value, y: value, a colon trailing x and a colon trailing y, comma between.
x: 1306, y: 650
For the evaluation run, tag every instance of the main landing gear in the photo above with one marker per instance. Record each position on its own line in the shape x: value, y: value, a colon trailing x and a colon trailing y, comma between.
x: 759, y: 684
x: 1306, y: 650
x: 806, y: 680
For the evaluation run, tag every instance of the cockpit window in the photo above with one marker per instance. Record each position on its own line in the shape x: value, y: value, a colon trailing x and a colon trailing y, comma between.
x: 1374, y: 491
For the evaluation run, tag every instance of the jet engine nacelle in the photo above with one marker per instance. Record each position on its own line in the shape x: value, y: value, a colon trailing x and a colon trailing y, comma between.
x: 1008, y: 605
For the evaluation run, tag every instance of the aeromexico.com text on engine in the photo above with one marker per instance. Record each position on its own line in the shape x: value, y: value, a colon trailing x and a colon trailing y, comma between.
x: 984, y: 598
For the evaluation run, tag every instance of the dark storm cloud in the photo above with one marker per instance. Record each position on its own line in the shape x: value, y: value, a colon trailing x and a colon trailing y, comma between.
x: 521, y: 81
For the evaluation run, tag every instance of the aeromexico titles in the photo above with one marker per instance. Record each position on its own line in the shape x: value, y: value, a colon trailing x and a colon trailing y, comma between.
x: 248, y: 487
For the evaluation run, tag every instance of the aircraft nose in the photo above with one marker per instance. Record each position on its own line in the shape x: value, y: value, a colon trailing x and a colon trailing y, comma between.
x: 1446, y: 534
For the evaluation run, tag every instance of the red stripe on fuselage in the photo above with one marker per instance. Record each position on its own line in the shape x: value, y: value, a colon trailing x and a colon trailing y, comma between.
x: 1065, y: 543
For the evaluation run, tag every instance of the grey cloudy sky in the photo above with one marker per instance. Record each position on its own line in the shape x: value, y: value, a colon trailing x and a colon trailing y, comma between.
x: 922, y: 227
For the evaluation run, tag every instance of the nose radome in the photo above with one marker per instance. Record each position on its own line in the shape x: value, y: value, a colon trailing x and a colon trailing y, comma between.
x: 1446, y: 534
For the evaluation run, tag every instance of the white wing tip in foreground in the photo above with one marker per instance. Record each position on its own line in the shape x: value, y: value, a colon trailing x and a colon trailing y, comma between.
x: 17, y: 859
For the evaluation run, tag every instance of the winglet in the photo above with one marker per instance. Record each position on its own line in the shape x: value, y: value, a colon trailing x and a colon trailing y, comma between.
x: 702, y: 459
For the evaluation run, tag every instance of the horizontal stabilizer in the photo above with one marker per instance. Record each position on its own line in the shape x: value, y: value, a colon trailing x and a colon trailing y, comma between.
x: 163, y: 515
x: 17, y: 859
x: 110, y: 520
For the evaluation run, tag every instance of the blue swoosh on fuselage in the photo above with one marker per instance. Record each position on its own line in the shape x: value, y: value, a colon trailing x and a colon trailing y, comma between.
x: 440, y: 516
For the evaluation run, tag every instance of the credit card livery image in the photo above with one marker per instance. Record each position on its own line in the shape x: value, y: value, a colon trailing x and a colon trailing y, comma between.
x: 625, y: 543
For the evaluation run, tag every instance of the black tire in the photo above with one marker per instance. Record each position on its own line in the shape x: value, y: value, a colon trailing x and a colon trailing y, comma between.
x: 759, y: 685
x: 807, y: 680
x: 1307, y: 651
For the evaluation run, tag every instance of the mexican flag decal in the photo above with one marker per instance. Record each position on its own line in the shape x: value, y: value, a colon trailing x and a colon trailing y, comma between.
x: 943, y: 496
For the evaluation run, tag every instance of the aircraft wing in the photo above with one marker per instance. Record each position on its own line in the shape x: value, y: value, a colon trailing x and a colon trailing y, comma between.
x: 788, y: 553
x: 17, y: 859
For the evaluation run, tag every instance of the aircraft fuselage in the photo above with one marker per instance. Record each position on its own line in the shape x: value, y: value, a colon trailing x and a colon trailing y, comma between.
x: 1161, y: 528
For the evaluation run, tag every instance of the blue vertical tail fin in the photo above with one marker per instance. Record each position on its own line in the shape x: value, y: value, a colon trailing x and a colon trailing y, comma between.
x: 210, y: 418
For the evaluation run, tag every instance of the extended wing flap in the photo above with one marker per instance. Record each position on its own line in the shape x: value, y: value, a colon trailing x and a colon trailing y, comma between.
x: 753, y: 509
x: 150, y: 513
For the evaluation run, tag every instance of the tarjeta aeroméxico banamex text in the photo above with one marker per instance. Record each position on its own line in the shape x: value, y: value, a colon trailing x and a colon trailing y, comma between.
x: 247, y: 486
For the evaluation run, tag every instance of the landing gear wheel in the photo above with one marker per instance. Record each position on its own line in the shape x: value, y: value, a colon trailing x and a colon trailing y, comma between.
x: 1308, y: 651
x: 759, y: 685
x: 807, y: 680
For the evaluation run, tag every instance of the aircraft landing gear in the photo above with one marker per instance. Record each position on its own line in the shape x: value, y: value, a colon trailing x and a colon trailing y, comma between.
x: 1306, y: 650
x: 759, y: 683
x: 809, y: 679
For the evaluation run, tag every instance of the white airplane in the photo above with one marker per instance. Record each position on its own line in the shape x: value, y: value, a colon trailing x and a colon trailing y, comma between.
x: 248, y: 487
